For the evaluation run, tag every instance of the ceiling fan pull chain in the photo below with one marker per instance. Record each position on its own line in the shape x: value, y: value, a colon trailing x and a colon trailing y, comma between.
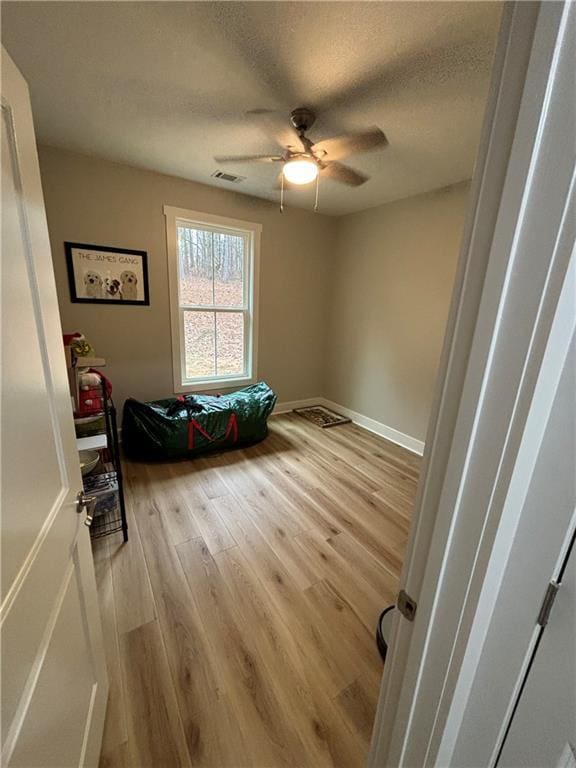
x: 316, y: 198
x: 282, y: 193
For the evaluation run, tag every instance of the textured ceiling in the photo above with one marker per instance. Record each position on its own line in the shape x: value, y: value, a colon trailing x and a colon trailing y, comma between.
x: 166, y: 86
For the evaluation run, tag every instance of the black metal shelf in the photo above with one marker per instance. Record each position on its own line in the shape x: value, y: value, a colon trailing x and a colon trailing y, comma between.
x: 109, y: 509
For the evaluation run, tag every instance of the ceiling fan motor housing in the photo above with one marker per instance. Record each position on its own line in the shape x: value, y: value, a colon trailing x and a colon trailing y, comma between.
x: 302, y: 119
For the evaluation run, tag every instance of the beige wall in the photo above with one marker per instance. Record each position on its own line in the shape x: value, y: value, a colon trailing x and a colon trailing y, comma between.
x: 94, y: 201
x: 392, y: 277
x: 353, y: 309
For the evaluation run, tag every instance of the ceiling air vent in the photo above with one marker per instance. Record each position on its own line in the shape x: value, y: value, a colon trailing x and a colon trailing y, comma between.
x: 228, y: 177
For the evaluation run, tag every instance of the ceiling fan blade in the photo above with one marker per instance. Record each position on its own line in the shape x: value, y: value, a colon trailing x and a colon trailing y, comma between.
x: 248, y: 159
x: 276, y: 124
x: 343, y: 173
x: 358, y: 141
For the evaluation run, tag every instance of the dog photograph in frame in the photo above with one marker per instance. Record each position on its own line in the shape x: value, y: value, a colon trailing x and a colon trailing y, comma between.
x: 99, y: 274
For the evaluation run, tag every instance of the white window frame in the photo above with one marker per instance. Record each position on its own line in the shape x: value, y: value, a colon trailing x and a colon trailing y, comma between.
x: 251, y: 232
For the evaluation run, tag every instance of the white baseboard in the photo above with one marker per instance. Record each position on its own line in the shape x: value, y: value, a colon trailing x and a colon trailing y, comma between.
x: 289, y: 405
x: 389, y: 433
x: 406, y: 441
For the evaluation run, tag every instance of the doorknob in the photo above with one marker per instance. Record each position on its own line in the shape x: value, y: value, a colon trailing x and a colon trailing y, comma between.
x: 84, y: 502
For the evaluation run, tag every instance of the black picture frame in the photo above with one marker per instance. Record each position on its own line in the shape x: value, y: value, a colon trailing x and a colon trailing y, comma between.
x: 126, y: 257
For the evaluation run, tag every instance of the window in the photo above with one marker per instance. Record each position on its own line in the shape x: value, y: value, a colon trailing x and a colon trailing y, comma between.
x: 213, y: 288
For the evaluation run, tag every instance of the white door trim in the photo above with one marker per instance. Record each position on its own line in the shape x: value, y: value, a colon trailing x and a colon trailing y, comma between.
x: 482, y: 397
x: 491, y: 659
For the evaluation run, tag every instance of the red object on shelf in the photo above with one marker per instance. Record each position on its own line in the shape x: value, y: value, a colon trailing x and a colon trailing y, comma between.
x: 90, y: 400
x: 69, y: 336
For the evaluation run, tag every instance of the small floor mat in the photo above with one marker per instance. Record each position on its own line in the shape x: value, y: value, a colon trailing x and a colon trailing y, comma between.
x: 321, y: 417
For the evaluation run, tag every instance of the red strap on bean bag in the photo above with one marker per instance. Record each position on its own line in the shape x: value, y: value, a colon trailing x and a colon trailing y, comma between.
x: 231, y: 429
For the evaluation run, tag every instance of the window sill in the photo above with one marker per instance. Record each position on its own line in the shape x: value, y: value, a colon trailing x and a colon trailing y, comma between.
x: 210, y: 384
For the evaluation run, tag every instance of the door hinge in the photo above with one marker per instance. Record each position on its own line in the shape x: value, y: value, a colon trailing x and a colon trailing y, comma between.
x: 547, y: 603
x: 406, y: 605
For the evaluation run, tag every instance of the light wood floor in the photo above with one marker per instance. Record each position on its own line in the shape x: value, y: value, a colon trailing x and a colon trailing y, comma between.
x: 239, y: 619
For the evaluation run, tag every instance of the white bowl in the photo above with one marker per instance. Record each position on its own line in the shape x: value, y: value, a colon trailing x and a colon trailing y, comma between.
x: 88, y: 461
x: 87, y: 419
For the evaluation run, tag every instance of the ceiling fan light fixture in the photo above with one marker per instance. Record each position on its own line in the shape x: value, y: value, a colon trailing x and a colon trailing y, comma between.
x: 300, y: 170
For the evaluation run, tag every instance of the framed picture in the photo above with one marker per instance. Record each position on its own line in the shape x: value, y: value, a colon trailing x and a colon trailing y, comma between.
x: 99, y: 274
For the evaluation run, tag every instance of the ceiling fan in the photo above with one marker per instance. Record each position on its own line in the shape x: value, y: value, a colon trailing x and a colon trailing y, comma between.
x: 304, y: 161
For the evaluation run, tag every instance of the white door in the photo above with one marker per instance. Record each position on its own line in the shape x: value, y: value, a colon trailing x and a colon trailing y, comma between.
x: 54, y: 684
x: 543, y: 728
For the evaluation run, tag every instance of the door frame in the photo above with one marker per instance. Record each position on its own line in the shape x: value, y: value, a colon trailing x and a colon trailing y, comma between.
x: 501, y: 314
